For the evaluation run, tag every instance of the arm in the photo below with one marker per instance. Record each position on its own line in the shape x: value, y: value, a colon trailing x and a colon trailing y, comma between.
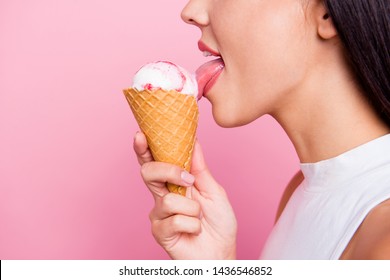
x: 381, y: 249
x: 372, y: 239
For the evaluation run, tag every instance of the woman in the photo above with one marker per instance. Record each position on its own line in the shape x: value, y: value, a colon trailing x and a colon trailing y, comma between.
x: 321, y: 69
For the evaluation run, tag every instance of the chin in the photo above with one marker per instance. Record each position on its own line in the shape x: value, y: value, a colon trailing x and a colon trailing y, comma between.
x: 228, y: 120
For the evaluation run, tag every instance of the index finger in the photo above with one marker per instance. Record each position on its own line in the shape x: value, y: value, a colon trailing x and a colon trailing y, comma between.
x: 141, y: 148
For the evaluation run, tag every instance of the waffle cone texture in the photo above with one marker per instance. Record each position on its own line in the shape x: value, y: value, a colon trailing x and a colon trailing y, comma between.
x: 169, y: 120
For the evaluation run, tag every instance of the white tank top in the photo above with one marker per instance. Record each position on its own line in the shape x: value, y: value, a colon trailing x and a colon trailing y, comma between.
x: 336, y: 195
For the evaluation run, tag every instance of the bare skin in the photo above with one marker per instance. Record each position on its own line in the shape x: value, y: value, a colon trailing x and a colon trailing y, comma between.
x: 317, y: 103
x: 199, y: 226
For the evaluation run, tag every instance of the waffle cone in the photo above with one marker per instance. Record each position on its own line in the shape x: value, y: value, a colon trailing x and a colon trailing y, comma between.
x: 169, y: 120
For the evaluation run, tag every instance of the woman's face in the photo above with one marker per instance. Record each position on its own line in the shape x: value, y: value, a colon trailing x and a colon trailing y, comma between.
x: 265, y: 46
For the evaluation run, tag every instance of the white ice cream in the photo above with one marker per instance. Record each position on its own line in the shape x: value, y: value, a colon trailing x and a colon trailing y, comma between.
x: 167, y: 76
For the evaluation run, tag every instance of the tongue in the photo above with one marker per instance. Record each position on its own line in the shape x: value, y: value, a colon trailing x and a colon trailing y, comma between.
x: 206, y: 75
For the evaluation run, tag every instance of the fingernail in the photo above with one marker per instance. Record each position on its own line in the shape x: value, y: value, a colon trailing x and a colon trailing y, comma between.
x: 187, y: 177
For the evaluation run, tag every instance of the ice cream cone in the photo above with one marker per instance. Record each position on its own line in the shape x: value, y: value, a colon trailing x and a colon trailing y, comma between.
x: 169, y: 120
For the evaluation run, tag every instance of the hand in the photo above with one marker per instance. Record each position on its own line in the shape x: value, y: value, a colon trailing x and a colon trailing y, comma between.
x: 201, y: 225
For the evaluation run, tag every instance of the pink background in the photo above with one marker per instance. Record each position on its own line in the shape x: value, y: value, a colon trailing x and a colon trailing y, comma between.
x: 69, y: 181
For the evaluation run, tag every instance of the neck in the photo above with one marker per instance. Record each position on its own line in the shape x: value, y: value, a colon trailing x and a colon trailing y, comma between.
x: 327, y: 120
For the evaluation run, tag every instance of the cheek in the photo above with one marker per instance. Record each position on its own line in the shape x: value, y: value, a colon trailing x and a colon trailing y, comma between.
x: 275, y: 50
x: 253, y: 86
x: 265, y: 60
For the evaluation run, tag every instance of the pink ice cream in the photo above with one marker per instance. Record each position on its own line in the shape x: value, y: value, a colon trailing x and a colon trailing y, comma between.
x: 167, y: 76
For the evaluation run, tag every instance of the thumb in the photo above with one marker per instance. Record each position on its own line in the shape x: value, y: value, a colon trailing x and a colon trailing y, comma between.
x: 204, y: 181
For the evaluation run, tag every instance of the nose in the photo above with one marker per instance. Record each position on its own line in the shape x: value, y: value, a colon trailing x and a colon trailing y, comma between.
x: 195, y: 13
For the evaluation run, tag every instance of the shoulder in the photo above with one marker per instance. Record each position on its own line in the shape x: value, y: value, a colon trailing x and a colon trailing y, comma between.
x: 372, y: 239
x: 292, y: 185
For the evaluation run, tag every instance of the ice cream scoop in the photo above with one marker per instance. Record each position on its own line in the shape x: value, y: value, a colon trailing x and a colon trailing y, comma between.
x: 167, y: 76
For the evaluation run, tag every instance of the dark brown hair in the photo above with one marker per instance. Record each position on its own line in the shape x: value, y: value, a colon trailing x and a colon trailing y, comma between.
x: 364, y: 29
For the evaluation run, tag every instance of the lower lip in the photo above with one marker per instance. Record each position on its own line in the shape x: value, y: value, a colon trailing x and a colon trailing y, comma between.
x: 207, y: 75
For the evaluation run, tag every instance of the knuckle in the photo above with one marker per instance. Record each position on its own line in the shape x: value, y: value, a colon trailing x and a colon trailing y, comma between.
x: 176, y: 221
x: 168, y: 201
x: 160, y: 169
x: 155, y: 231
x: 172, y: 173
x: 145, y: 168
x: 152, y: 215
x: 145, y: 156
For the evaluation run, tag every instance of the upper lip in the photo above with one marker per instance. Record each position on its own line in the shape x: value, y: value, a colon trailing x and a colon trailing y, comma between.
x: 204, y: 48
